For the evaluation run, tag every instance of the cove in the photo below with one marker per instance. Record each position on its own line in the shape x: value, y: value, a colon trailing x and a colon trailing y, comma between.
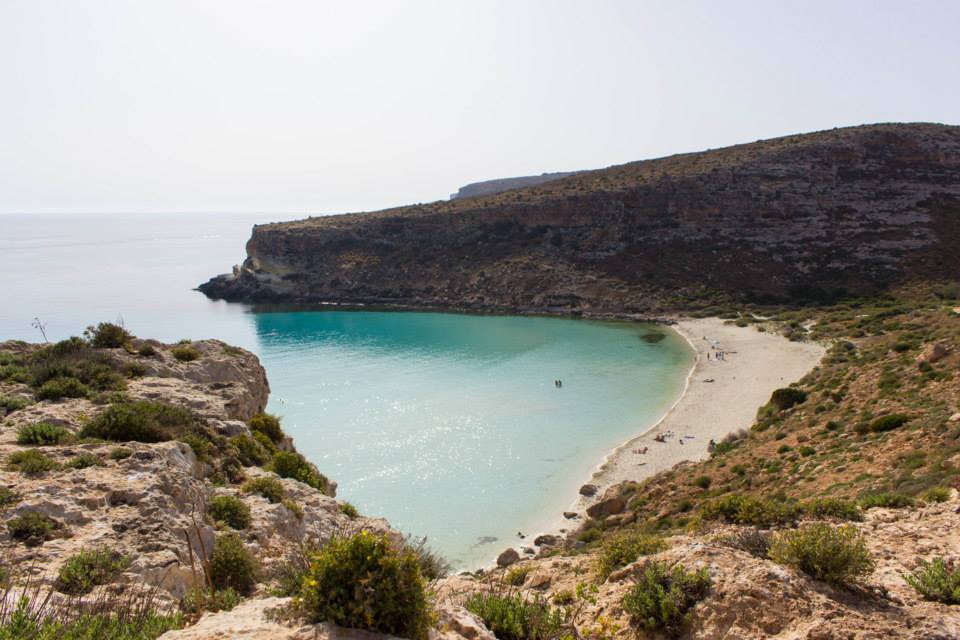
x: 451, y: 426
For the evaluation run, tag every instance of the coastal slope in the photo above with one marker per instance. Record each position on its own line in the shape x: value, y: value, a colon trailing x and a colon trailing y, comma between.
x: 803, y: 218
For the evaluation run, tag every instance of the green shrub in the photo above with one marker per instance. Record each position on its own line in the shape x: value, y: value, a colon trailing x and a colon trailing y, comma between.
x: 147, y: 350
x: 186, y: 353
x: 250, y: 452
x: 14, y: 403
x: 749, y: 539
x: 293, y: 508
x: 268, y: 425
x: 564, y: 597
x: 141, y: 421
x: 270, y: 488
x: 516, y: 576
x: 835, y: 555
x: 107, y: 335
x: 936, y: 580
x: 120, y: 453
x: 8, y: 497
x: 42, y: 433
x: 739, y: 509
x: 590, y: 535
x: 806, y: 451
x: 198, y: 601
x: 30, y: 462
x: 889, y: 422
x: 886, y: 500
x: 432, y: 564
x: 702, y: 481
x: 832, y: 508
x: 514, y: 617
x: 266, y: 443
x: 232, y: 566
x: 620, y: 549
x: 290, y: 464
x: 787, y: 398
x: 63, y: 387
x: 110, y: 618
x: 363, y: 582
x: 661, y: 599
x: 349, y: 510
x: 230, y: 510
x: 936, y: 494
x: 84, y: 460
x: 33, y: 528
x: 88, y: 569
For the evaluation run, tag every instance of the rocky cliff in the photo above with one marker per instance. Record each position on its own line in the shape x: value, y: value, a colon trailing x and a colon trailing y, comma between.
x: 799, y: 218
x: 490, y: 187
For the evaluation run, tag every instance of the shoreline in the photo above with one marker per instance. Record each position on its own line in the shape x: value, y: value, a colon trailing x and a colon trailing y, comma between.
x: 719, y: 397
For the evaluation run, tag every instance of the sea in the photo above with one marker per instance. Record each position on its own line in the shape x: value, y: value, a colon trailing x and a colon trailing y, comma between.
x: 451, y: 426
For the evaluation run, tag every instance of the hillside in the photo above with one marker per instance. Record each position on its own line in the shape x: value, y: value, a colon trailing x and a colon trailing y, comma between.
x: 802, y: 218
x: 490, y: 187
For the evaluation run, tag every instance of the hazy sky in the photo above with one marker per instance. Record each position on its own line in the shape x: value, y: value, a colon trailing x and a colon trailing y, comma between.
x: 311, y: 106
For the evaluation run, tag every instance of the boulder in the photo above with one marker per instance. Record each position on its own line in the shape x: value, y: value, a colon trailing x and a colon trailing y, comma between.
x: 589, y: 490
x: 933, y: 353
x: 608, y: 507
x: 546, y: 540
x: 571, y: 515
x: 507, y: 558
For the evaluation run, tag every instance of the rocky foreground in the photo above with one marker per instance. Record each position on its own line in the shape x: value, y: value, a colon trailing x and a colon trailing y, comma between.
x: 812, y: 217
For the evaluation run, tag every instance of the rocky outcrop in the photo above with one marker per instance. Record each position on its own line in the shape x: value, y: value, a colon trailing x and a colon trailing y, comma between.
x: 490, y: 187
x: 799, y: 218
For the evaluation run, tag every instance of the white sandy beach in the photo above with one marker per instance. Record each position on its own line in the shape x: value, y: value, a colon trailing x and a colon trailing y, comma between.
x: 755, y: 364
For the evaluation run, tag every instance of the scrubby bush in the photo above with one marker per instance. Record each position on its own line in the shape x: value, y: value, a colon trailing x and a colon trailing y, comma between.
x: 832, y: 508
x: 749, y: 539
x: 270, y: 488
x: 293, y: 508
x: 33, y: 528
x: 739, y: 509
x: 290, y: 464
x: 268, y: 425
x: 249, y: 451
x: 8, y: 497
x: 620, y: 549
x: 787, y: 397
x: 511, y: 616
x: 516, y: 576
x: 835, y: 555
x: 936, y: 580
x: 186, y: 353
x: 42, y: 433
x: 30, y: 462
x: 88, y: 569
x: 14, y: 403
x: 230, y: 510
x: 364, y: 582
x: 886, y: 500
x: 349, y: 510
x: 564, y: 597
x: 147, y: 350
x: 120, y: 453
x: 108, y: 618
x: 936, y: 494
x: 141, y: 421
x: 232, y: 566
x: 432, y: 564
x: 62, y: 387
x: 266, y: 443
x: 703, y: 482
x: 84, y: 460
x: 661, y: 599
x: 889, y: 422
x: 107, y: 335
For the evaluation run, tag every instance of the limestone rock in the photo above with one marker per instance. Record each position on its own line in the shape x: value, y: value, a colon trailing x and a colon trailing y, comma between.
x: 507, y: 558
x: 607, y: 507
x: 589, y: 490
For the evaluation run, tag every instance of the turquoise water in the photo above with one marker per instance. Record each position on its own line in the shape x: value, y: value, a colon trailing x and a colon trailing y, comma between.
x: 450, y: 426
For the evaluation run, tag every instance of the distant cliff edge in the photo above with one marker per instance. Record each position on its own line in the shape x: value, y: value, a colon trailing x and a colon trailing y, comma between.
x: 490, y: 187
x: 807, y: 217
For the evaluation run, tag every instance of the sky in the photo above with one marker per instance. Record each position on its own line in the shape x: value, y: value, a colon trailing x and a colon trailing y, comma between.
x: 310, y: 106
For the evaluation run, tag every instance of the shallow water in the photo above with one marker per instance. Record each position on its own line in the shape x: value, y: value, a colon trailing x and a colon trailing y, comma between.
x: 448, y: 425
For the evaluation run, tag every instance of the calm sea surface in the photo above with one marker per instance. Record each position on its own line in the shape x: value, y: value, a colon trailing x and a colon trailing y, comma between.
x: 450, y: 426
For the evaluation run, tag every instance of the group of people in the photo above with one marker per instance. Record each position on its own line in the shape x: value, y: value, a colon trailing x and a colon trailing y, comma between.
x: 558, y: 384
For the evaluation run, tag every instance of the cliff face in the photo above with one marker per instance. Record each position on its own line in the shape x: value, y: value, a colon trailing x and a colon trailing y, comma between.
x: 810, y: 216
x: 490, y: 187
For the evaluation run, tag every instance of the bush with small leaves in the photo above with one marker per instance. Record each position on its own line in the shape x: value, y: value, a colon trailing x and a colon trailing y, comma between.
x: 936, y: 580
x: 702, y: 481
x: 186, y: 353
x: 290, y: 464
x: 120, y: 453
x: 8, y: 497
x: 230, y: 510
x: 432, y: 564
x: 34, y: 528
x: 232, y: 566
x: 620, y: 549
x: 661, y: 598
x: 107, y: 335
x: 564, y: 597
x: 147, y: 350
x: 270, y: 488
x: 889, y: 422
x: 141, y: 421
x: 13, y: 403
x: 349, y: 510
x: 293, y: 508
x: 787, y: 398
x: 268, y: 425
x: 365, y: 582
x: 42, y: 433
x: 886, y: 500
x: 516, y: 576
x: 835, y: 555
x: 62, y: 387
x: 749, y: 539
x: 85, y: 460
x: 250, y: 452
x: 88, y: 569
x: 30, y: 462
x: 511, y: 616
x: 936, y: 494
x: 832, y: 508
x: 740, y: 509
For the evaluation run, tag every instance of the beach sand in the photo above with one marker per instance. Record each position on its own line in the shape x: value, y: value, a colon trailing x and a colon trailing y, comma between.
x: 755, y: 364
